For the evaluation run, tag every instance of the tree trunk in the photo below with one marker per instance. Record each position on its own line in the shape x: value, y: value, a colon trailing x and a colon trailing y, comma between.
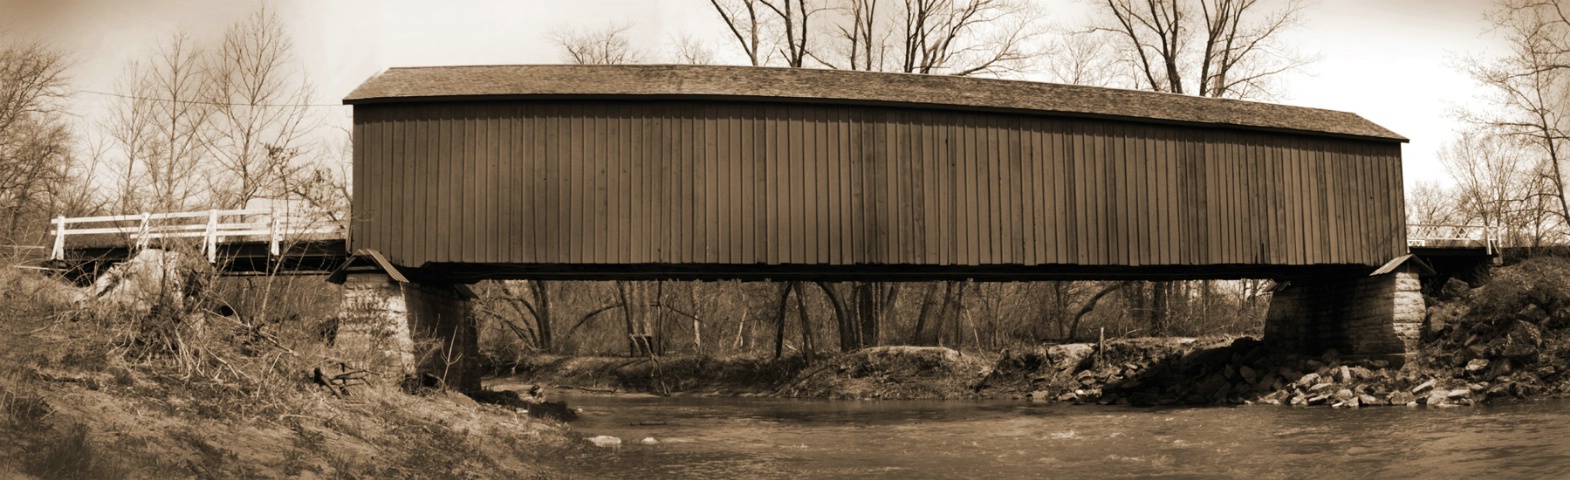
x: 841, y: 317
x: 927, y: 302
x: 779, y: 323
x: 542, y: 315
x: 1073, y: 329
x: 808, y: 347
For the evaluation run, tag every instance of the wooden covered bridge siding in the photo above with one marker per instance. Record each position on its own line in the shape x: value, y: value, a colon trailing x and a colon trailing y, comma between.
x: 743, y: 184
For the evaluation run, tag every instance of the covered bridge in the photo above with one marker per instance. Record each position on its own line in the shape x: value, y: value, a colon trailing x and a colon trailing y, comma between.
x: 705, y: 172
x: 734, y: 172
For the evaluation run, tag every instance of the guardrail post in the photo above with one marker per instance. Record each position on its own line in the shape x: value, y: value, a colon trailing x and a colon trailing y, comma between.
x: 276, y: 236
x: 143, y: 234
x: 58, y: 253
x: 210, y: 238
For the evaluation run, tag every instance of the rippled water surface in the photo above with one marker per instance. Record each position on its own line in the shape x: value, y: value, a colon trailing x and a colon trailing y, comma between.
x: 777, y: 438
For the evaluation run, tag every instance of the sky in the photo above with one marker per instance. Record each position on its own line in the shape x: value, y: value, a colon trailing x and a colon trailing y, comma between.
x: 1395, y: 62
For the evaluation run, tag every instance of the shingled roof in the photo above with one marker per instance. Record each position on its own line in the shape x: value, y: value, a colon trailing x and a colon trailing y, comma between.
x: 837, y: 86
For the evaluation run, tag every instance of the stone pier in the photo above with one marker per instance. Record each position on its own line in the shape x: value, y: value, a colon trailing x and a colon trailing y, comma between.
x: 423, y: 330
x: 1374, y: 317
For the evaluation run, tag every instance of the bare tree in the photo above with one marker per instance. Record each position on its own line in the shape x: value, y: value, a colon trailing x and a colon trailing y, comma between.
x: 1528, y: 87
x: 914, y: 36
x: 967, y: 37
x: 1430, y: 203
x: 1209, y: 48
x: 742, y: 18
x: 260, y: 114
x: 35, y: 155
x: 690, y: 51
x: 159, y: 126
x: 794, y: 19
x: 606, y: 46
x: 1082, y: 59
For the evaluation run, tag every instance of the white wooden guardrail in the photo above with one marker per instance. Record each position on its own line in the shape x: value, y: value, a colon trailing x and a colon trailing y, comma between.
x: 221, y: 226
x: 1439, y: 235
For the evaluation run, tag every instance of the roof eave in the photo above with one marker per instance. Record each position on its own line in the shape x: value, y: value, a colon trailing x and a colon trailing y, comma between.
x: 353, y: 99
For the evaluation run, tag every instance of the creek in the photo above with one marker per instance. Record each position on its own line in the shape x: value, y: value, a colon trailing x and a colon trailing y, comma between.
x: 730, y: 437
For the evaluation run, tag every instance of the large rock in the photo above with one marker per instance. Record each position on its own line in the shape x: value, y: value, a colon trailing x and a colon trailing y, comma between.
x: 1067, y: 358
x: 1522, y: 342
x: 153, y: 279
x: 1454, y: 288
x: 1476, y: 365
x: 605, y: 441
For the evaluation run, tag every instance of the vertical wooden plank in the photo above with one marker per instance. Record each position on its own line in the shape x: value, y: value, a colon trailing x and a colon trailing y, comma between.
x: 728, y: 185
x: 534, y: 171
x: 689, y: 161
x: 974, y: 208
x: 1183, y: 234
x: 770, y: 184
x: 607, y: 191
x: 484, y: 193
x: 702, y: 219
x: 827, y: 209
x: 652, y: 176
x: 1146, y: 189
x: 996, y: 188
x: 1397, y: 211
x: 401, y: 227
x: 878, y: 176
x: 710, y: 221
x: 1341, y: 244
x: 1078, y: 172
x: 1297, y: 202
x: 755, y: 171
x: 631, y: 138
x: 497, y: 221
x: 787, y: 179
x: 378, y: 137
x: 1049, y: 191
x: 1132, y: 182
x: 1015, y: 215
x: 957, y: 238
x: 632, y: 132
x: 1058, y: 209
x: 807, y: 148
x: 553, y: 236
x: 418, y: 184
x: 1168, y: 231
x: 449, y: 196
x: 979, y: 151
x: 1312, y: 195
x: 470, y: 185
x: 399, y: 179
x: 1228, y: 190
x: 359, y: 165
x: 834, y: 183
x: 906, y: 173
x: 596, y: 140
x: 861, y: 193
x: 1024, y: 138
x: 508, y: 218
x: 1099, y: 185
x: 522, y: 185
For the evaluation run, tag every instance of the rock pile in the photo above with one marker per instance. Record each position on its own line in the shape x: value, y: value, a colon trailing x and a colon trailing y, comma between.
x: 1511, y: 337
x: 1220, y: 371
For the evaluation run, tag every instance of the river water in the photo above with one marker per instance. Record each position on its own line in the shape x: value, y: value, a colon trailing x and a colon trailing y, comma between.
x: 713, y: 437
